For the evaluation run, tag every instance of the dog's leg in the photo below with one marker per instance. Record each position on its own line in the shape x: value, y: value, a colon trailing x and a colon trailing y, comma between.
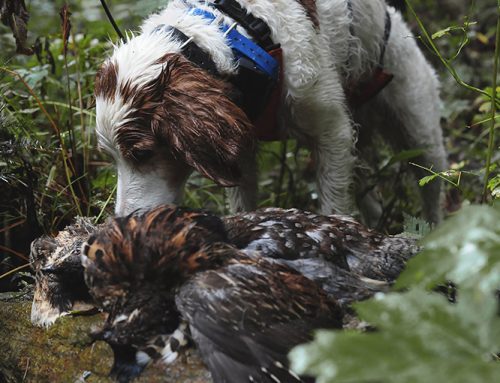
x: 414, y: 107
x: 244, y: 196
x: 320, y: 114
x: 333, y: 154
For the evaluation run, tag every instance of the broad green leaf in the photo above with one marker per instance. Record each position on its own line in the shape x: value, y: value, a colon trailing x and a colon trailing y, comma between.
x: 465, y: 250
x: 421, y: 337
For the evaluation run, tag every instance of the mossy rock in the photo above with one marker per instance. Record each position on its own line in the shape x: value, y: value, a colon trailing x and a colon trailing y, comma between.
x: 65, y: 353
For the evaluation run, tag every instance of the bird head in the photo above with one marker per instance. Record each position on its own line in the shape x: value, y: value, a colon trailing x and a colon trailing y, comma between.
x: 59, y: 281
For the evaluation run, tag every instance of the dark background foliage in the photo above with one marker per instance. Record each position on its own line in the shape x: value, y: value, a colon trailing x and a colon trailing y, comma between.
x: 51, y: 170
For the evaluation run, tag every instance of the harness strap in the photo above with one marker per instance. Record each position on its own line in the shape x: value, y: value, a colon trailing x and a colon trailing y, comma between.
x: 360, y: 93
x: 244, y: 47
x: 255, y: 26
x: 387, y: 31
x: 191, y: 51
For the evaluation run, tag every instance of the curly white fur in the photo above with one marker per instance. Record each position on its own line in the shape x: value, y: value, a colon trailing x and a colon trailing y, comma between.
x: 318, y: 63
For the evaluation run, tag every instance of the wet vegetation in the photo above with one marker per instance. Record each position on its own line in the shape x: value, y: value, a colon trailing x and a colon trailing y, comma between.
x: 51, y: 171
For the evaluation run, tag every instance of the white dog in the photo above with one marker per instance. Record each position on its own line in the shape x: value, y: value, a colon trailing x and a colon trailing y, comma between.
x: 181, y: 95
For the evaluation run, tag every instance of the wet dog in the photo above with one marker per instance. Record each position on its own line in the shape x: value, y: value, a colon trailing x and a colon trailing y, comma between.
x: 180, y: 95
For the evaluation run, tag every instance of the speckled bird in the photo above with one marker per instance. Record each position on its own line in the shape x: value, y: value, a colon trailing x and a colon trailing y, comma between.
x: 245, y: 289
x: 59, y: 283
x: 352, y: 261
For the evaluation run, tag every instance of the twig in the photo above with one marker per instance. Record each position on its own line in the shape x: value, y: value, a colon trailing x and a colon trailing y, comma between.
x: 432, y: 46
x: 26, y: 370
x: 14, y: 270
x: 491, y: 141
x: 16, y: 253
x: 440, y: 174
x: 112, y: 20
x: 12, y: 225
x: 279, y: 186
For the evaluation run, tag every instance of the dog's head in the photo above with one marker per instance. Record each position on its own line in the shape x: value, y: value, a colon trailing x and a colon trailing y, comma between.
x: 160, y: 116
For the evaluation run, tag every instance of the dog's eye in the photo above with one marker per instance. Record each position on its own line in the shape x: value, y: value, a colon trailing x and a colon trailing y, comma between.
x: 140, y: 154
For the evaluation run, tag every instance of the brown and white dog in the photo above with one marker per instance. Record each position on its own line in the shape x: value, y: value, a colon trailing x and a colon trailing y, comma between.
x: 160, y: 115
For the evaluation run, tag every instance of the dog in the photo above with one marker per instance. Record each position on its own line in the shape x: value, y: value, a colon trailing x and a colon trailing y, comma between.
x: 181, y: 95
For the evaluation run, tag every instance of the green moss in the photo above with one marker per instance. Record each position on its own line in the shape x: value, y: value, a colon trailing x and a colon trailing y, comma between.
x: 64, y: 352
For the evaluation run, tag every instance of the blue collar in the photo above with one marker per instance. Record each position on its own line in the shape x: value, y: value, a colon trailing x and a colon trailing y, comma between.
x: 244, y: 47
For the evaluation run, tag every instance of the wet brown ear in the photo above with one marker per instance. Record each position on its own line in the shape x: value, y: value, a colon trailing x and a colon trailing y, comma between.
x: 200, y: 123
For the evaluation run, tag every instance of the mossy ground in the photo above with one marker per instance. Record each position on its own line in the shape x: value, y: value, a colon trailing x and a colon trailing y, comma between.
x: 64, y: 352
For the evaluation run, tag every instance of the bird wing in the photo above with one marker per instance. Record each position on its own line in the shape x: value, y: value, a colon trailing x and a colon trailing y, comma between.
x: 294, y: 234
x: 246, y: 318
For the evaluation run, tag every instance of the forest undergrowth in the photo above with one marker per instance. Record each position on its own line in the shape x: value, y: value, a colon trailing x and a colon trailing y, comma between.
x: 52, y: 171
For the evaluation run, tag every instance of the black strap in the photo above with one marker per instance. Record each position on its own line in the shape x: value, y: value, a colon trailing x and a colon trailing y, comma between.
x: 257, y: 28
x: 387, y: 31
x: 192, y: 51
x: 385, y: 40
x: 254, y: 86
x: 112, y: 20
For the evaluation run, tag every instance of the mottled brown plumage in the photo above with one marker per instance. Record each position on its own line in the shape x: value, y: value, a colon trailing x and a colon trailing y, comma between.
x: 296, y: 234
x: 59, y: 286
x: 334, y: 251
x: 245, y: 294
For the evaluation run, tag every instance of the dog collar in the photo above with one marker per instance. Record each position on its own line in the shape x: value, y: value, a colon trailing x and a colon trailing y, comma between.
x: 190, y: 50
x: 258, y: 83
x: 256, y: 27
x: 243, y: 47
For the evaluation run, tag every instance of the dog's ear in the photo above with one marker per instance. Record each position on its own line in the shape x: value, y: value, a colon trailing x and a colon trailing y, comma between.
x: 200, y: 123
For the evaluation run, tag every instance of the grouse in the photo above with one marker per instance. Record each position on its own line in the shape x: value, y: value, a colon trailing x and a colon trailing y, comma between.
x: 245, y: 289
x: 333, y: 248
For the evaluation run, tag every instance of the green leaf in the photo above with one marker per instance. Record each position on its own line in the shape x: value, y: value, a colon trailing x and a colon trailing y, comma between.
x: 416, y: 226
x: 441, y: 33
x: 494, y: 186
x: 421, y: 337
x: 425, y: 180
x: 465, y: 250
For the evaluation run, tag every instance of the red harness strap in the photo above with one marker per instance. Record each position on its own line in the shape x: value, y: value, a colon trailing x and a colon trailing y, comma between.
x: 360, y: 93
x: 266, y: 125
